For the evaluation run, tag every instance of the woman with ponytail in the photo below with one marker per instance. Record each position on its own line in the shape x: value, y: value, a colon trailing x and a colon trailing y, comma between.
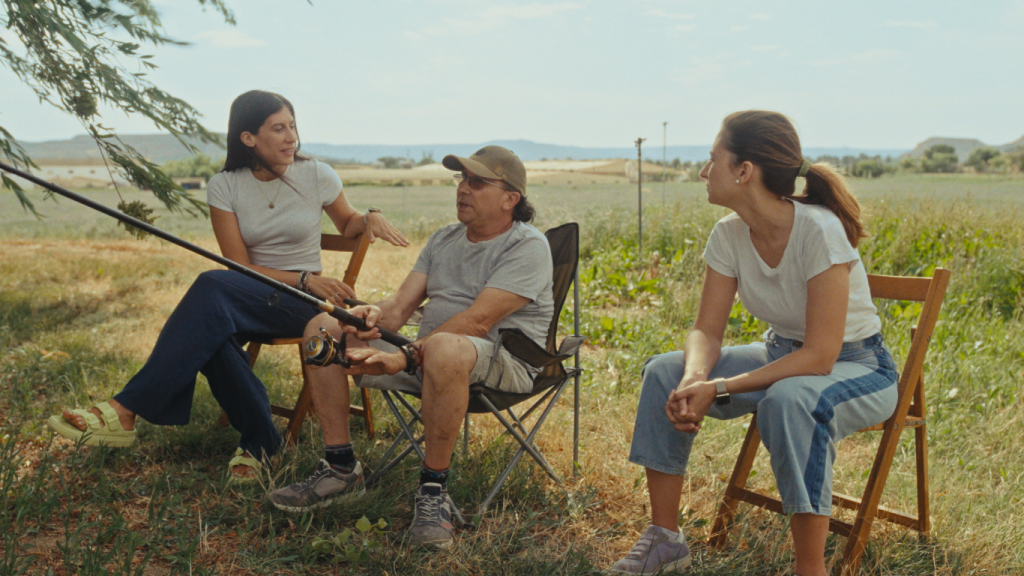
x: 822, y: 371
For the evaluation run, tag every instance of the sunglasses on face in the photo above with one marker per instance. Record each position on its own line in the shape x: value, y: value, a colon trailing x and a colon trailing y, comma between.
x: 476, y: 182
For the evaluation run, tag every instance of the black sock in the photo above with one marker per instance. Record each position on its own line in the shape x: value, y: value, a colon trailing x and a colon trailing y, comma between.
x: 341, y: 457
x: 428, y: 475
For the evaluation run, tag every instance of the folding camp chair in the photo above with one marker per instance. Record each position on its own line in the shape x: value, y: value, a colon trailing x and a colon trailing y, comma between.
x: 295, y: 415
x: 909, y: 413
x: 547, y: 385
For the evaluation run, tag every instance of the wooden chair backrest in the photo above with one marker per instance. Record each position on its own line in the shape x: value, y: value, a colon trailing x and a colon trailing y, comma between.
x: 929, y: 291
x: 357, y: 246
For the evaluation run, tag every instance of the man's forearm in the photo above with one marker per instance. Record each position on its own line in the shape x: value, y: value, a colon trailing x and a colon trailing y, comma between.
x: 464, y: 323
x: 392, y: 316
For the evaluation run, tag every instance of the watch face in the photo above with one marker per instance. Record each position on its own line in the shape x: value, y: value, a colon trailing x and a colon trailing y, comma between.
x: 722, y: 400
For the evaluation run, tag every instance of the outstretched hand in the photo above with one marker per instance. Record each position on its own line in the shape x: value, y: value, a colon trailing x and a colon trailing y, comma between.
x: 377, y: 226
x: 369, y: 360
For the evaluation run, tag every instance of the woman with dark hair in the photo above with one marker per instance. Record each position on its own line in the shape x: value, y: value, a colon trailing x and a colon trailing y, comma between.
x: 822, y: 371
x: 265, y: 207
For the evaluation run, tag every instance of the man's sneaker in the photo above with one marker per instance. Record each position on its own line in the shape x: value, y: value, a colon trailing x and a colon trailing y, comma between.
x: 656, y: 550
x: 326, y: 486
x: 432, y: 523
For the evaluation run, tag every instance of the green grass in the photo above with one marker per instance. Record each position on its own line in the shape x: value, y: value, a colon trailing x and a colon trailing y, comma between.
x: 80, y: 306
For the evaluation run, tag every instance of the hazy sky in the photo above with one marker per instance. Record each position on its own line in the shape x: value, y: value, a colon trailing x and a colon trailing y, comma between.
x: 868, y: 74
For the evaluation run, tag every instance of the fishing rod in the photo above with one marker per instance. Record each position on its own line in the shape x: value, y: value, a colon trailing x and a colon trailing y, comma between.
x: 339, y: 313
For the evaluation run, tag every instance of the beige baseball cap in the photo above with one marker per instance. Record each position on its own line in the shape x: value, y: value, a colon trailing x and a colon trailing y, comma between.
x: 492, y: 162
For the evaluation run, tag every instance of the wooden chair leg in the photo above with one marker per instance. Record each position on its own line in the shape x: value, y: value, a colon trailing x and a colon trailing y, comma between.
x: 738, y: 480
x: 254, y: 352
x: 858, y: 537
x: 367, y: 411
x: 302, y: 404
x: 921, y: 444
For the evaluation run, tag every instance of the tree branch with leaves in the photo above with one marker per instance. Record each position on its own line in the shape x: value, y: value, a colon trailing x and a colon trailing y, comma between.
x: 80, y: 54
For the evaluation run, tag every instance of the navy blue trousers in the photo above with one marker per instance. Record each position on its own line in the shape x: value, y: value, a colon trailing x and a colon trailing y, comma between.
x: 221, y: 311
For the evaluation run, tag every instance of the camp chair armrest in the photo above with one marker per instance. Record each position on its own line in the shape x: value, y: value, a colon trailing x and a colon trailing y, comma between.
x: 522, y: 347
x: 571, y: 345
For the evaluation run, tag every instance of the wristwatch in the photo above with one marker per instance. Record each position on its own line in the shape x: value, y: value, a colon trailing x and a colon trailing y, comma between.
x: 722, y: 397
x: 370, y: 210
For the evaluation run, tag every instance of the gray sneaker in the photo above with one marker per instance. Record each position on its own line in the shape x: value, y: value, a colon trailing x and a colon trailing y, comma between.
x: 655, y: 551
x: 432, y: 522
x: 326, y: 486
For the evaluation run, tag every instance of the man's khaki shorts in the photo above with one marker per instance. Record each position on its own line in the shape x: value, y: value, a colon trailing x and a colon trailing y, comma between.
x: 495, y: 368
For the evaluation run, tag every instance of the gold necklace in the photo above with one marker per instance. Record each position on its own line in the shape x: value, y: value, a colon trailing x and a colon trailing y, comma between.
x: 270, y: 203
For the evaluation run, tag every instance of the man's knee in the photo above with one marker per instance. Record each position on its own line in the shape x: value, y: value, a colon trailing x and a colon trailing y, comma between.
x: 323, y: 320
x: 447, y: 352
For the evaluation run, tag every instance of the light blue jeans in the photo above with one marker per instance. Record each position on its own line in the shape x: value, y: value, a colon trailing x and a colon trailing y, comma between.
x: 800, y: 419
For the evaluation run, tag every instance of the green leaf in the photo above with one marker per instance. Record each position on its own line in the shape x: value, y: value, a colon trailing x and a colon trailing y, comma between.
x: 363, y: 524
x: 352, y: 553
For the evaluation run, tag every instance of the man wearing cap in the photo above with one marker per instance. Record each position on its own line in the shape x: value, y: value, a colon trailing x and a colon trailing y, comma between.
x: 491, y: 270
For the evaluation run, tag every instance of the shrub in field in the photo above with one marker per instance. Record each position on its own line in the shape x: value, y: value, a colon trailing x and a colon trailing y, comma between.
x: 987, y: 259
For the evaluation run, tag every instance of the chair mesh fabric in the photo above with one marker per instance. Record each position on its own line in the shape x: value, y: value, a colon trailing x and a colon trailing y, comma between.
x: 565, y: 251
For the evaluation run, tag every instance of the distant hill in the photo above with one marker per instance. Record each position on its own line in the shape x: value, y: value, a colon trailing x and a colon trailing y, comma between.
x: 1018, y: 143
x: 530, y: 151
x: 158, y: 148
x: 163, y: 147
x: 963, y: 146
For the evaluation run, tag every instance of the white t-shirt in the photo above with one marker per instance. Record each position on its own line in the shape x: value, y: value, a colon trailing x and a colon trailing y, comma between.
x: 287, y: 236
x: 779, y: 295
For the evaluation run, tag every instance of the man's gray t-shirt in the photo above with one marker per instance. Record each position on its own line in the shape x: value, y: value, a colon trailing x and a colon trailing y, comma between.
x: 518, y: 261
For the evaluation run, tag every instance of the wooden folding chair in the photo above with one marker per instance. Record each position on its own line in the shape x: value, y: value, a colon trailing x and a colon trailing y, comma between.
x: 910, y: 413
x: 297, y: 414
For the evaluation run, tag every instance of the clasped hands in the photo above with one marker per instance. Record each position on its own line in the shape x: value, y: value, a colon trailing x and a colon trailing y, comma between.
x: 689, y: 403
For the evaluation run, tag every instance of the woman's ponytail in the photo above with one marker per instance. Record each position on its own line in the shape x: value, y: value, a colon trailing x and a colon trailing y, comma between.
x: 828, y: 188
x: 769, y: 140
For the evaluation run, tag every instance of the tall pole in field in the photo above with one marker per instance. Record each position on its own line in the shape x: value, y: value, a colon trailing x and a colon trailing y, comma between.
x: 640, y: 196
x: 664, y: 160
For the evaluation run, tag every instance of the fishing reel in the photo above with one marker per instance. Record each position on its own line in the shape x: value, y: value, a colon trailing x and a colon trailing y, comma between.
x: 323, y: 350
